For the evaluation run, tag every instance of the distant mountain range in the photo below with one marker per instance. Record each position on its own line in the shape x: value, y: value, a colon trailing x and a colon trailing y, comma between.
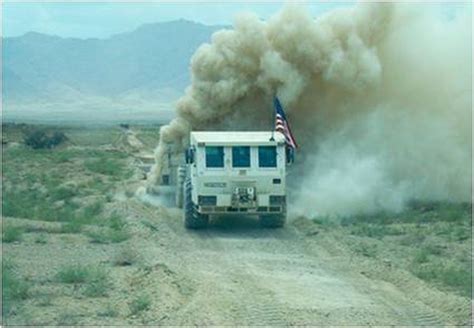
x: 145, y: 70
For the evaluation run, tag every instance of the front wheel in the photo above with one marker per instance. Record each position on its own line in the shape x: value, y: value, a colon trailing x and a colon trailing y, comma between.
x: 192, y: 219
x: 273, y: 220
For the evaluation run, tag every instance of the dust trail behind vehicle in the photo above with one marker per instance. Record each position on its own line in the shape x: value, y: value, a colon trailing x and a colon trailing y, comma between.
x: 378, y: 96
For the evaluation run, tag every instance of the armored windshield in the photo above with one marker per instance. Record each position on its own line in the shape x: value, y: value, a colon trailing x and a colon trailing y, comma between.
x: 214, y: 156
x: 241, y: 156
x: 267, y: 156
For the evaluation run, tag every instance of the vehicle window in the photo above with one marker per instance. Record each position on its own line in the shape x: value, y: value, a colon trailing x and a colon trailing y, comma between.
x: 241, y: 156
x: 215, y: 156
x: 267, y: 156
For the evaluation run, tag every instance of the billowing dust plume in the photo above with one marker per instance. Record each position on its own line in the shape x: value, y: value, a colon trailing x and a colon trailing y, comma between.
x: 378, y: 96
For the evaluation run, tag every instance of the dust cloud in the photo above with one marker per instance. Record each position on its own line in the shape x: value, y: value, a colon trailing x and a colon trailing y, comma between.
x: 378, y: 96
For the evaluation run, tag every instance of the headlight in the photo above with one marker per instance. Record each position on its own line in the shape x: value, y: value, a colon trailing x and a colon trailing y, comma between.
x: 207, y: 200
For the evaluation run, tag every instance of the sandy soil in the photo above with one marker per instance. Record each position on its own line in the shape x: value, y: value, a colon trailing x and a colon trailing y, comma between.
x: 233, y: 273
x: 237, y: 273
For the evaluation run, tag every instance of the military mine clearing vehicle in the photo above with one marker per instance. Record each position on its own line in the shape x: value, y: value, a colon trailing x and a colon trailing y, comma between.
x: 229, y: 173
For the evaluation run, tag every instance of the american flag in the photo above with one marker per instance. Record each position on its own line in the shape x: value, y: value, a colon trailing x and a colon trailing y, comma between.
x: 281, y: 124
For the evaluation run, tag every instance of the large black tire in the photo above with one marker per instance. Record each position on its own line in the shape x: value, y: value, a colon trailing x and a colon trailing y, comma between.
x: 179, y: 199
x: 192, y: 219
x: 273, y: 220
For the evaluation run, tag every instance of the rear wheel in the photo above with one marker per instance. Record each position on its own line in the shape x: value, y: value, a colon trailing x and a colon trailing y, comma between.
x: 273, y: 220
x: 180, y: 187
x: 192, y: 219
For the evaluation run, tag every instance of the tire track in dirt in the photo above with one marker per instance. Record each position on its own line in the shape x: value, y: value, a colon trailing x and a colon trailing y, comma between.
x: 252, y: 256
x: 251, y: 303
x: 242, y: 274
x: 230, y: 285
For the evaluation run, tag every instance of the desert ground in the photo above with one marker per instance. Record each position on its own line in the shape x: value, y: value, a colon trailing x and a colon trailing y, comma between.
x: 81, y: 247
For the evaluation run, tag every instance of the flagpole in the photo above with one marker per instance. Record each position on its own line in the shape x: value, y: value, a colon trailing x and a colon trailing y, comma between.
x: 274, y: 120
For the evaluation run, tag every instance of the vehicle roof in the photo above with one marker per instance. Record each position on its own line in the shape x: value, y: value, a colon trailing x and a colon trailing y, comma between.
x: 237, y: 137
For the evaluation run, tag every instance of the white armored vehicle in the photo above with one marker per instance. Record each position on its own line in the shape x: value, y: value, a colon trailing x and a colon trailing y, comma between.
x: 234, y: 173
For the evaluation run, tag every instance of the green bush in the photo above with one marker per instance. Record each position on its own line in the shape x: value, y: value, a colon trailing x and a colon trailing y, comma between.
x: 106, y: 166
x: 421, y: 256
x: 40, y: 139
x: 115, y: 222
x: 113, y: 231
x: 452, y: 276
x: 459, y: 233
x: 65, y: 191
x: 457, y: 277
x: 30, y: 204
x: 97, y: 283
x: 12, y: 234
x: 94, y: 280
x: 139, y: 304
x: 91, y: 211
x: 41, y: 239
x: 74, y: 274
x: 14, y: 288
x: 71, y: 227
x: 90, y: 214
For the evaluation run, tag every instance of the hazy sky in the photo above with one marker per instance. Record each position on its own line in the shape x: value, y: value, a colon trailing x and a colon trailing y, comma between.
x: 104, y: 19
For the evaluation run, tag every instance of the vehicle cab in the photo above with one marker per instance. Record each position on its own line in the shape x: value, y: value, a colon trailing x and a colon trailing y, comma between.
x: 237, y: 172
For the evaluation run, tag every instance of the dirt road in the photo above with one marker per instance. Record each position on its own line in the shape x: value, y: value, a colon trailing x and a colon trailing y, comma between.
x: 235, y: 273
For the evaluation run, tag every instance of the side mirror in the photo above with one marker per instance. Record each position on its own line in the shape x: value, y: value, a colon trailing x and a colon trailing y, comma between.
x: 290, y: 155
x: 189, y: 155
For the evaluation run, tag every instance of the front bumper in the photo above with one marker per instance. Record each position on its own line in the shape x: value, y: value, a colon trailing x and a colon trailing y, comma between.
x: 241, y: 210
